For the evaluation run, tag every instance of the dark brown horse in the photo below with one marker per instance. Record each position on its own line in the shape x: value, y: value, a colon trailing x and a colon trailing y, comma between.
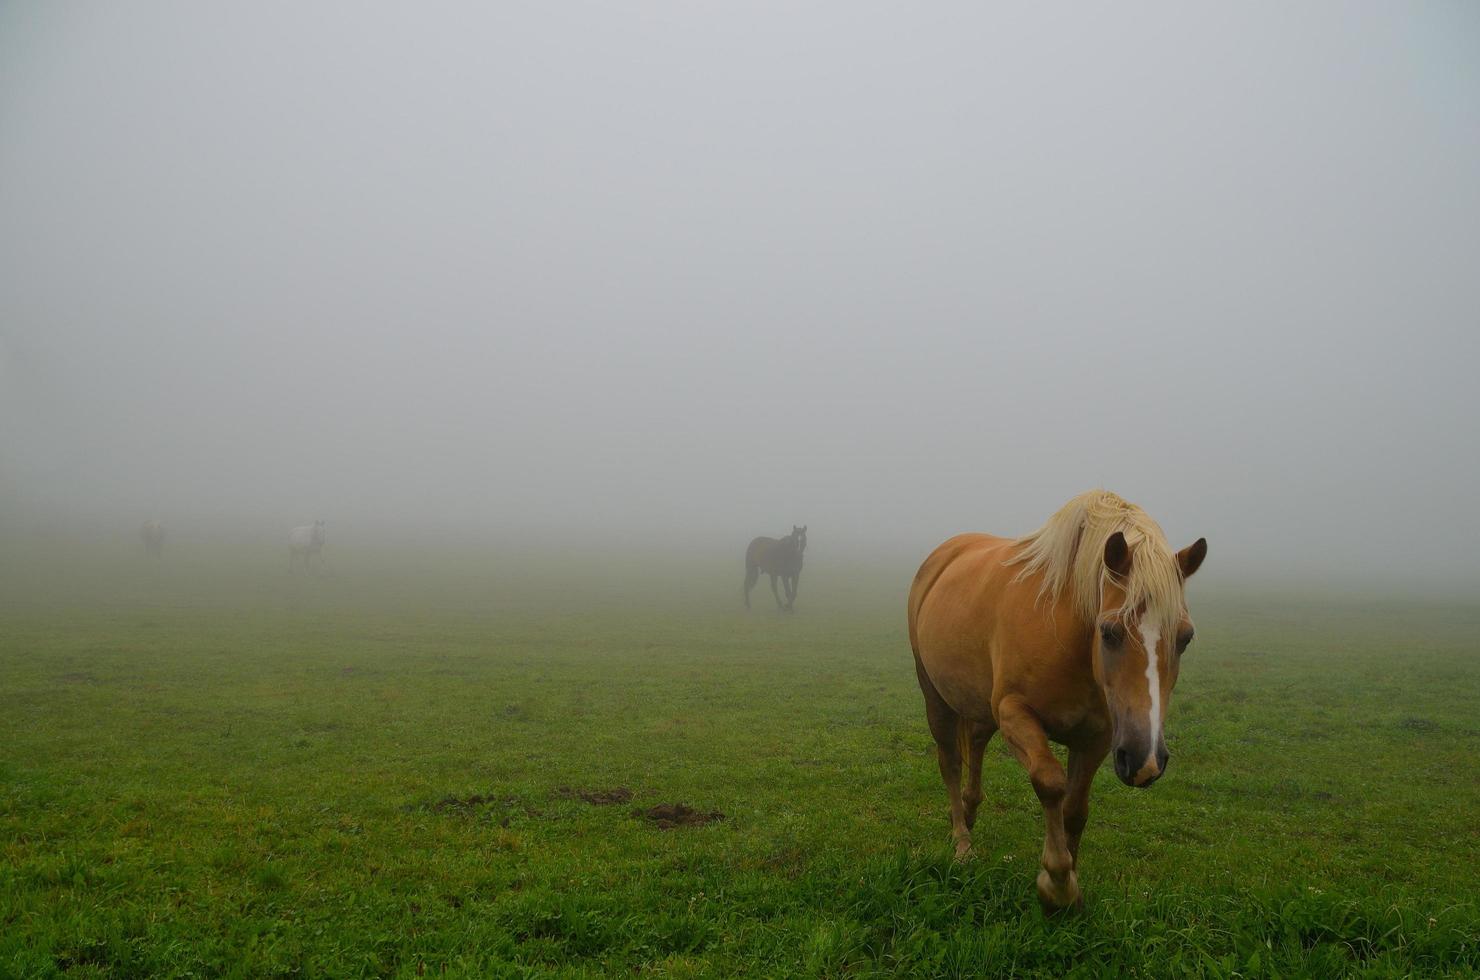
x: 777, y: 556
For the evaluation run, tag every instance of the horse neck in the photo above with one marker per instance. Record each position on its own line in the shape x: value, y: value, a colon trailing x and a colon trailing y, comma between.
x: 1063, y: 613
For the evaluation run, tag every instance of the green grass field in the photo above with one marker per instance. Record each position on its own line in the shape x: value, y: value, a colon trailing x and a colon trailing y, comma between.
x: 226, y: 771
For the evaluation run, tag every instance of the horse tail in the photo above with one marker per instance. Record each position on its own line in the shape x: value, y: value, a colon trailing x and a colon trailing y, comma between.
x: 963, y: 736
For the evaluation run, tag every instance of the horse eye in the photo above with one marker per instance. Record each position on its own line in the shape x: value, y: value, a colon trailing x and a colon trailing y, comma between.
x: 1183, y: 640
x: 1109, y: 634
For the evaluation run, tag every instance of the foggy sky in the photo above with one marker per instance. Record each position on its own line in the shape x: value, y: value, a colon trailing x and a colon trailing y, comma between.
x: 698, y: 271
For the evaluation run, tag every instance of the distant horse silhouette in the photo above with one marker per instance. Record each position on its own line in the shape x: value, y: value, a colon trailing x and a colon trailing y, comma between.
x: 153, y: 534
x: 307, y: 541
x: 777, y: 556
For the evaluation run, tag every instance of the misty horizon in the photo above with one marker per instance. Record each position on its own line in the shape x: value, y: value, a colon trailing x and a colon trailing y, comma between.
x: 684, y: 275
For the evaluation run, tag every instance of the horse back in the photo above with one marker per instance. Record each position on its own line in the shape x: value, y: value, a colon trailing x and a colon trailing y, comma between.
x: 979, y: 633
x: 762, y: 553
x: 959, y: 556
x: 956, y: 610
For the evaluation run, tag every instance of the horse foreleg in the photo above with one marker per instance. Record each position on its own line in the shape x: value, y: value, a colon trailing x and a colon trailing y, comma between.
x: 1083, y: 763
x: 1058, y: 885
x: 776, y: 595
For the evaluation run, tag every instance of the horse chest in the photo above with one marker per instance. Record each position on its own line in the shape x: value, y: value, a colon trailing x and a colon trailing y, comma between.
x: 1065, y: 698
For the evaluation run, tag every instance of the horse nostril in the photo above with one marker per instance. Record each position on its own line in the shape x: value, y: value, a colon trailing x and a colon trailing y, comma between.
x: 1122, y: 764
x: 1162, y: 758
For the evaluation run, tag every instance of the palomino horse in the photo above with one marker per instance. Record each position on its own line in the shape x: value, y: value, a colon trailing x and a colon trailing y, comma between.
x: 153, y: 534
x: 777, y: 556
x: 1073, y: 634
x: 307, y: 541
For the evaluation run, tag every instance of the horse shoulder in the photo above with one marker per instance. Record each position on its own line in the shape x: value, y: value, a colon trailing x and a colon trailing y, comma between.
x: 1041, y: 653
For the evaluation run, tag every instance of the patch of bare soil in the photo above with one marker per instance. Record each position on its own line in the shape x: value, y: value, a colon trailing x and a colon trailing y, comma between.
x: 667, y: 816
x: 596, y: 797
x: 451, y: 804
x: 488, y: 806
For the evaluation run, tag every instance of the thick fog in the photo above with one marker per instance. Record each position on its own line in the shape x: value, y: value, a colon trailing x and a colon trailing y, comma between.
x: 693, y: 272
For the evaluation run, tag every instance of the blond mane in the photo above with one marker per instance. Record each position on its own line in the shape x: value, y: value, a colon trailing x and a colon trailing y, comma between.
x: 1069, y: 552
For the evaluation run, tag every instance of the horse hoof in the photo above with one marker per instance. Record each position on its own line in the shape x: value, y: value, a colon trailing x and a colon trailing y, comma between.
x: 963, y: 849
x: 1059, y: 898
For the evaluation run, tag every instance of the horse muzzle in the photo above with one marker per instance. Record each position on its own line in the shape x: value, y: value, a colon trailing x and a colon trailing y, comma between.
x: 1137, y: 766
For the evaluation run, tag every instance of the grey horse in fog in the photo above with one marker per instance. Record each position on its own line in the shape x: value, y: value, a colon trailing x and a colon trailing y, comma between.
x: 306, y: 542
x: 152, y: 533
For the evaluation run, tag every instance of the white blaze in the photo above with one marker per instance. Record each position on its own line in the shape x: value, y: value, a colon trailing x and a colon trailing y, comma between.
x: 1150, y: 637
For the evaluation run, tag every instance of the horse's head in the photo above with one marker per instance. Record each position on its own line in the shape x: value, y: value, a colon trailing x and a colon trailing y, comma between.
x: 799, y: 538
x: 1137, y: 654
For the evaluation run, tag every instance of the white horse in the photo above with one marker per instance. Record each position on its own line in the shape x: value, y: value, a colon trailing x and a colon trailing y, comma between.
x: 153, y: 534
x: 307, y: 541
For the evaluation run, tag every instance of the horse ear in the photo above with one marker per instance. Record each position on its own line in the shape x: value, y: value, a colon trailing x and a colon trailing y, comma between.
x: 1117, y: 554
x: 1190, y: 558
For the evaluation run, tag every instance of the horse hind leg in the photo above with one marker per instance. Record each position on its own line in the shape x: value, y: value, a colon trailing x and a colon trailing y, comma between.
x: 752, y: 574
x: 971, y: 797
x: 780, y: 606
x: 952, y: 737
